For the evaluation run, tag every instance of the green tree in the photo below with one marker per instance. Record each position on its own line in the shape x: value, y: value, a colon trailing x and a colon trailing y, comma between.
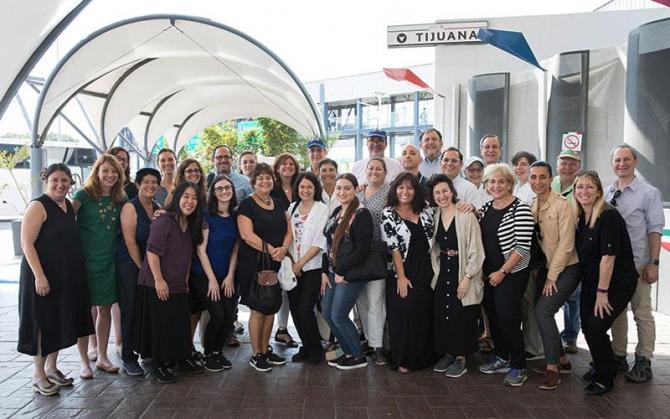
x: 210, y: 138
x: 8, y: 161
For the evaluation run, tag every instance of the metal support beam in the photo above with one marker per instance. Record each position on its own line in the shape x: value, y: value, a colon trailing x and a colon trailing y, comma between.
x: 417, y: 131
x: 359, y: 128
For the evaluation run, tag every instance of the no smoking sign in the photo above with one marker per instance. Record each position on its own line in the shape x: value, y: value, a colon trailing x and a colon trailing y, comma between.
x: 572, y: 141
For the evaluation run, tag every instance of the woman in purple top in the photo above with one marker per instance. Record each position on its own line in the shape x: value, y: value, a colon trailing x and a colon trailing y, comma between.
x: 164, y: 326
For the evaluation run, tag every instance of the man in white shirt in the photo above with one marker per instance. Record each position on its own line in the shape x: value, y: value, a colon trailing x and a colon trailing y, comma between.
x: 431, y: 145
x: 490, y: 148
x: 451, y: 165
x: 473, y: 169
x: 376, y: 143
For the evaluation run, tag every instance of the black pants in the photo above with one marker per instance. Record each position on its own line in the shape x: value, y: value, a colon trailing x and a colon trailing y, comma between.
x: 221, y: 314
x: 126, y: 278
x: 502, y: 305
x: 595, y: 329
x: 302, y: 300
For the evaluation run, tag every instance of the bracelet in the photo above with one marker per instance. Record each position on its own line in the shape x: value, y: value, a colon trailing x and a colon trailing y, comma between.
x: 603, y: 290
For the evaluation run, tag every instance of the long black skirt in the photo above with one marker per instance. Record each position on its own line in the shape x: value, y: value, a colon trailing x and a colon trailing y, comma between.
x: 163, y: 328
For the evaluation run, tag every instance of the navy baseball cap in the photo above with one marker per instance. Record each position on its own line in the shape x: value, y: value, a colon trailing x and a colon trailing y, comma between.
x: 378, y: 133
x: 315, y: 142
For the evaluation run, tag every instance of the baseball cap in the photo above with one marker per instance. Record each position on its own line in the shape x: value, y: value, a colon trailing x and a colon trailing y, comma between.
x: 315, y: 142
x: 571, y: 154
x: 472, y: 159
x: 379, y: 133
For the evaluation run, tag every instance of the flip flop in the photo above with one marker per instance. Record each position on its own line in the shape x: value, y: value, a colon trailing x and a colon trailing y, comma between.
x: 45, y: 390
x: 110, y: 369
x: 59, y: 379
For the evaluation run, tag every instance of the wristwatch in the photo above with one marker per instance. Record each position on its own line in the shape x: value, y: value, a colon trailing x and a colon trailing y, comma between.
x: 503, y: 271
x: 655, y: 262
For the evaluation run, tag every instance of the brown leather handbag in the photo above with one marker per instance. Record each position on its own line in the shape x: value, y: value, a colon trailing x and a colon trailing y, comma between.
x: 266, y: 276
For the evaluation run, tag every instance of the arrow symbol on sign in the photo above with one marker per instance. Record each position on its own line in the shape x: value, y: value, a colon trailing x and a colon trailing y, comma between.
x: 401, y: 38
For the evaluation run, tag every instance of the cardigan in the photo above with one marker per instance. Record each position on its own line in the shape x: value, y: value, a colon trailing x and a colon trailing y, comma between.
x: 395, y: 232
x: 312, y: 233
x: 360, y: 233
x: 515, y: 231
x: 470, y: 254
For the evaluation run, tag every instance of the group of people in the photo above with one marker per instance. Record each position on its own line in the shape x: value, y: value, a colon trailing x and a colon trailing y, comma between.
x: 437, y: 257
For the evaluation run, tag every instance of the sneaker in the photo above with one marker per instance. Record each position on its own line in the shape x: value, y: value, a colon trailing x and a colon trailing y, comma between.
x: 515, y: 377
x: 273, y: 358
x: 367, y: 349
x: 595, y: 388
x: 641, y: 371
x: 132, y: 368
x: 197, y: 356
x: 444, y: 363
x: 238, y: 327
x: 571, y: 347
x: 259, y: 363
x: 334, y: 362
x: 351, y: 363
x: 190, y: 366
x: 562, y: 368
x: 551, y: 380
x: 225, y: 363
x: 621, y: 363
x: 283, y: 336
x: 213, y: 363
x: 457, y: 368
x: 163, y: 375
x: 498, y: 365
x: 301, y: 356
x: 532, y: 357
x: 379, y: 356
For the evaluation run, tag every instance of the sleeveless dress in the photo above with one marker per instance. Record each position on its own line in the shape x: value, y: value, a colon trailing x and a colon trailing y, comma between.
x: 64, y: 314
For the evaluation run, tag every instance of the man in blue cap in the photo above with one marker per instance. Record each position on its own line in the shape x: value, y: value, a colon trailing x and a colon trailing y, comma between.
x: 376, y: 144
x: 316, y: 151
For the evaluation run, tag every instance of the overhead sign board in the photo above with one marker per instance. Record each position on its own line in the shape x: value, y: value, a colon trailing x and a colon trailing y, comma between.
x: 431, y: 34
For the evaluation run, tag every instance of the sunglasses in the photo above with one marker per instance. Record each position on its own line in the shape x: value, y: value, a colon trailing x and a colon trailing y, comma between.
x: 617, y: 194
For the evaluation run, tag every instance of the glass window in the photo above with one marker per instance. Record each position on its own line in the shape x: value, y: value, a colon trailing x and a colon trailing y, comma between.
x: 343, y: 152
x: 401, y: 140
x: 488, y: 110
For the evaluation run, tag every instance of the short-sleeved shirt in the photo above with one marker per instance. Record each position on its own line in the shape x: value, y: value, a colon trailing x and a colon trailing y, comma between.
x: 567, y: 193
x: 608, y: 237
x: 269, y: 225
x: 175, y: 250
x: 221, y: 238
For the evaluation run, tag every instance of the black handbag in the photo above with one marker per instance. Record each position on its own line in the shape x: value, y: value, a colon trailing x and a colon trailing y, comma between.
x: 374, y: 266
x: 265, y: 294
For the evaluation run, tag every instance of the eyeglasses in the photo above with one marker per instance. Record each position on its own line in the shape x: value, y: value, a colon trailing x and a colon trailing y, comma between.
x: 223, y: 157
x: 192, y: 171
x: 220, y: 189
x: 617, y: 194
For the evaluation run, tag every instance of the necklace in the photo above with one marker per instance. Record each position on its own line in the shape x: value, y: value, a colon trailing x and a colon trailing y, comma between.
x: 266, y: 202
x: 108, y: 214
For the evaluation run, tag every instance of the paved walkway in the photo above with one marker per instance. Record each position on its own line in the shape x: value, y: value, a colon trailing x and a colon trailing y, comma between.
x: 296, y: 390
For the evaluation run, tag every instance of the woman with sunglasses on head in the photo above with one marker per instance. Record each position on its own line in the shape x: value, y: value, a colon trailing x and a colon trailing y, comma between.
x: 54, y: 307
x: 213, y: 271
x: 163, y: 316
x: 609, y: 276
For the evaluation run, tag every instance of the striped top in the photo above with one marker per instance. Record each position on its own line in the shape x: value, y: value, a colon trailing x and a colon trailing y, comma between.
x: 515, y: 231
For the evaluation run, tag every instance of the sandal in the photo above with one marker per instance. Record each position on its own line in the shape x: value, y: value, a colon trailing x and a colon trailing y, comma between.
x: 45, y: 388
x: 59, y: 379
x: 92, y: 356
x: 86, y: 373
x: 109, y: 368
x: 283, y: 336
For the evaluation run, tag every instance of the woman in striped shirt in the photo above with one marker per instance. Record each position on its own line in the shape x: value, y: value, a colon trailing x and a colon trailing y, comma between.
x: 507, y: 228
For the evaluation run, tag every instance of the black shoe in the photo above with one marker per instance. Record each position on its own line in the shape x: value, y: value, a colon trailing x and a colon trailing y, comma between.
x: 225, y: 363
x: 641, y: 371
x: 190, y: 366
x: 301, y: 356
x: 273, y: 358
x: 334, y: 362
x: 259, y: 363
x: 621, y: 363
x: 132, y: 368
x: 213, y: 363
x: 197, y: 356
x: 283, y: 336
x: 163, y: 375
x: 379, y: 356
x: 351, y: 363
x: 597, y: 389
x: 588, y: 376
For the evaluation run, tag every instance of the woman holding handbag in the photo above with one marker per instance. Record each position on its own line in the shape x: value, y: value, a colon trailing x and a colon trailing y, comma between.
x: 307, y: 218
x: 407, y: 227
x: 349, y: 235
x: 265, y: 238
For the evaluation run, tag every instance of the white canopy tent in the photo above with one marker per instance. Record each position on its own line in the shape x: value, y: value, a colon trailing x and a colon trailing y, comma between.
x: 172, y: 76
x: 27, y: 29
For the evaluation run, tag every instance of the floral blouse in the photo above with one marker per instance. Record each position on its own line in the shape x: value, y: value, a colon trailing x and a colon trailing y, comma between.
x: 395, y: 232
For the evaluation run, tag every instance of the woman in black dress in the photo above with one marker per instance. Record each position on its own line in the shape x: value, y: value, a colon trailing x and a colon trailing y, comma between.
x: 457, y: 255
x: 407, y: 226
x: 609, y: 276
x: 54, y: 307
x: 260, y: 219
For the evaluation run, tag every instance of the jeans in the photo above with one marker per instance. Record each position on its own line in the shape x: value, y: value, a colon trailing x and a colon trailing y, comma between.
x: 571, y: 317
x: 302, y: 300
x: 126, y: 278
x: 336, y: 305
x: 546, y: 308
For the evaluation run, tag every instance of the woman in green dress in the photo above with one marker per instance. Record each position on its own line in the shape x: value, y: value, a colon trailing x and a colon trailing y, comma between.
x: 98, y: 207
